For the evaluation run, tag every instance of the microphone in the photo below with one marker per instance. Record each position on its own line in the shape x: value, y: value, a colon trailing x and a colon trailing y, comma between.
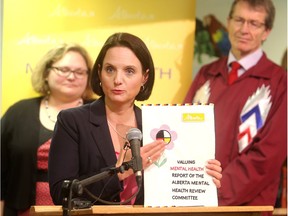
x: 134, y: 136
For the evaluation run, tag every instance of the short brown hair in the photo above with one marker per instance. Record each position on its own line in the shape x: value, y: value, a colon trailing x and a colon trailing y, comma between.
x: 138, y: 47
x: 42, y: 68
x: 266, y: 4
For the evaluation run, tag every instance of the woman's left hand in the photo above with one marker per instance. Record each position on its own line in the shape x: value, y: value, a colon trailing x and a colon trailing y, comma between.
x: 214, y: 169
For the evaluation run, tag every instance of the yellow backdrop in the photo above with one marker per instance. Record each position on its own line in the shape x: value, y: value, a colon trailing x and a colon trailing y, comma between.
x: 32, y: 27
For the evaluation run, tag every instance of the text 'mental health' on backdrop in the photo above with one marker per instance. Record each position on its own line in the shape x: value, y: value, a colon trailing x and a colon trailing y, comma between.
x: 33, y: 27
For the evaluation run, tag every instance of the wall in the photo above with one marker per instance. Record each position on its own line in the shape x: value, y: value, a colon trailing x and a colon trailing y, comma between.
x: 169, y: 35
x: 34, y: 26
x: 1, y: 32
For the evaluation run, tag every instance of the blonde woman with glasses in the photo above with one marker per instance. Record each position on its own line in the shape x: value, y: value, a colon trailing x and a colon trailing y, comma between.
x: 62, y: 80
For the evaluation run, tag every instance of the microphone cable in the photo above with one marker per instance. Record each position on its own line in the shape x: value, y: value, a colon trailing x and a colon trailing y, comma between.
x: 97, y: 198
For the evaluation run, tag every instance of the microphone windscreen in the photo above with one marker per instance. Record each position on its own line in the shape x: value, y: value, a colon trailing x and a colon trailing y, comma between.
x: 134, y: 133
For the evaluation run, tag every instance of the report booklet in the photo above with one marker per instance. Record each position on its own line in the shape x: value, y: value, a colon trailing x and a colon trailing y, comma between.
x: 178, y: 178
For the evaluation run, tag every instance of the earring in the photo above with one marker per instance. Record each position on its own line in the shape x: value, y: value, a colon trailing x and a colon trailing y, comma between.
x: 100, y: 84
x: 142, y: 88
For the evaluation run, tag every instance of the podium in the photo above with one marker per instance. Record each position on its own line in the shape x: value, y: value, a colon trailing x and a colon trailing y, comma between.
x: 139, y: 210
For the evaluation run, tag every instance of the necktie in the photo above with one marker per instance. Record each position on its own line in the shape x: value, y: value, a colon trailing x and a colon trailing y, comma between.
x: 233, y: 73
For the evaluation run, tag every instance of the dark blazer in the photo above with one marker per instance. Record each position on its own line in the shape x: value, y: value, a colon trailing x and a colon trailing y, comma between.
x: 81, y: 147
x: 20, y: 128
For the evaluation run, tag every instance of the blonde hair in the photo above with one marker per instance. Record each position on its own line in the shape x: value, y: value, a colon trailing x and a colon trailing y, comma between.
x: 41, y: 71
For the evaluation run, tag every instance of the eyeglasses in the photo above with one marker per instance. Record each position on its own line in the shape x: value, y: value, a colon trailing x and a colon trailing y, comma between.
x: 66, y: 71
x: 252, y: 24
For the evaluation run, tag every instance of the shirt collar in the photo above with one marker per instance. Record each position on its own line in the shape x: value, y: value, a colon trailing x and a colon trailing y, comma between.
x: 248, y: 61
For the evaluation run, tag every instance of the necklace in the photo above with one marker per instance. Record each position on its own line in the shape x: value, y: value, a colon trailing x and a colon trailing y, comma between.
x: 114, y: 129
x: 47, y: 108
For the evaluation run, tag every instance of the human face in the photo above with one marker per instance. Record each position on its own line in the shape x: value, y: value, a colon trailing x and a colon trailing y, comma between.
x: 121, y: 76
x: 244, y: 37
x: 68, y: 87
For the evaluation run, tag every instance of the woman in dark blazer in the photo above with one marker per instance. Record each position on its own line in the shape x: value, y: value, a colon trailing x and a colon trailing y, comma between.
x: 90, y: 139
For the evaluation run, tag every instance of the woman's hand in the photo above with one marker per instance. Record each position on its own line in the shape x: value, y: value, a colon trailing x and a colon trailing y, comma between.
x: 149, y: 154
x: 152, y: 152
x: 214, y: 169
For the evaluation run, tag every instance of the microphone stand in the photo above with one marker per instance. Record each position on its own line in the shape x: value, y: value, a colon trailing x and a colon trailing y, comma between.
x: 77, y: 186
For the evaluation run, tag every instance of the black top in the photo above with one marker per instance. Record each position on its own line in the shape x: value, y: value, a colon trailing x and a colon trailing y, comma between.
x: 20, y: 134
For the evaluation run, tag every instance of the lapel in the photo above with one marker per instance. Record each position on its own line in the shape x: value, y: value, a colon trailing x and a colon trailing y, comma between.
x: 218, y: 68
x: 100, y: 132
x: 261, y: 69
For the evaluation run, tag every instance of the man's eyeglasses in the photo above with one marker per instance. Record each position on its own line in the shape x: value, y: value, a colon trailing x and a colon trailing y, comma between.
x: 66, y: 71
x: 252, y: 24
